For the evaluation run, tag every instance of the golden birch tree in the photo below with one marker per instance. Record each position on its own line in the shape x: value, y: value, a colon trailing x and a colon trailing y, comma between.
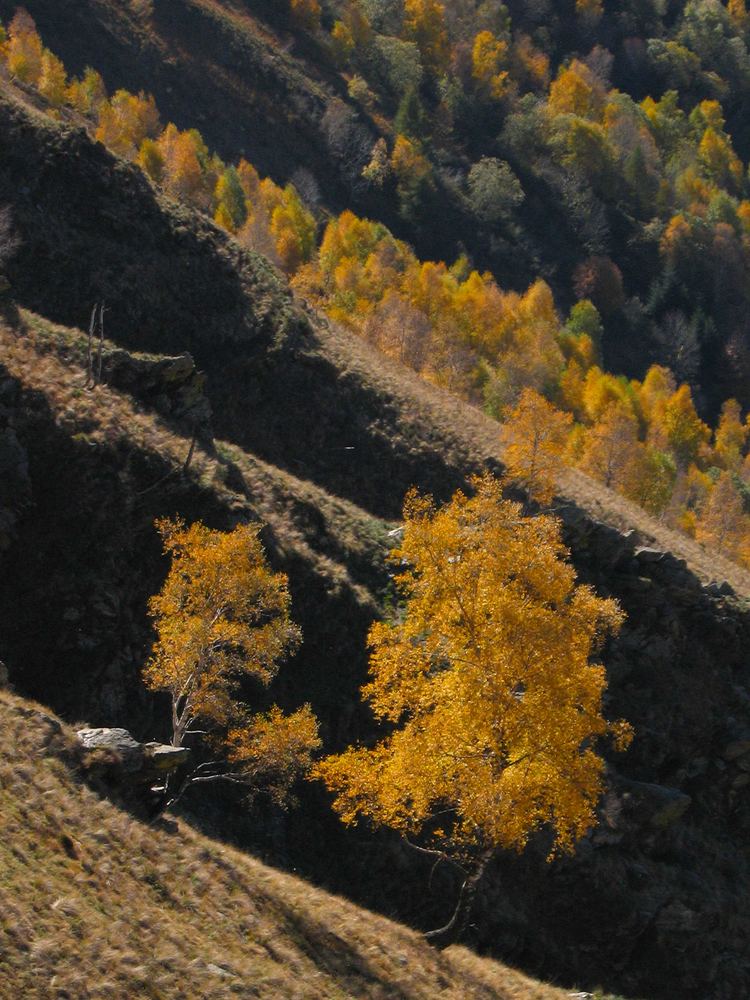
x: 534, y: 437
x: 223, y: 616
x: 485, y: 681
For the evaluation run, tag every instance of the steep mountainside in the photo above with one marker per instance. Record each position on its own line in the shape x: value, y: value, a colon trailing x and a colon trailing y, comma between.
x: 96, y: 904
x: 320, y: 439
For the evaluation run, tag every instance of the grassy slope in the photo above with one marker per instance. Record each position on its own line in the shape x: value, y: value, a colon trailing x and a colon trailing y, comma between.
x: 293, y: 398
x: 106, y: 440
x: 94, y: 903
x: 463, y: 427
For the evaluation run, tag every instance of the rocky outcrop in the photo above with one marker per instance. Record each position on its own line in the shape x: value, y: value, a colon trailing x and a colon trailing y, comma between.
x: 172, y: 386
x: 131, y: 761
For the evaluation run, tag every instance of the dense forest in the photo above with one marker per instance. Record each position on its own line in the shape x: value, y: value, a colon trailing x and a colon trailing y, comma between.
x: 486, y: 115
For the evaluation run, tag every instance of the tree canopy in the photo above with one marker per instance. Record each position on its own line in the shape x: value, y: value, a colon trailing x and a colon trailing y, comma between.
x: 485, y: 682
x: 223, y: 616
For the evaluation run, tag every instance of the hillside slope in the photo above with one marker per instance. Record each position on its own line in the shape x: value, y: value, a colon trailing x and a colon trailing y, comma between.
x: 95, y: 904
x: 320, y: 438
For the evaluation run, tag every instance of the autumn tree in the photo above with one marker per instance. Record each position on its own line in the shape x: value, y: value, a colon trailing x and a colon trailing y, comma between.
x: 24, y: 49
x: 489, y: 59
x: 610, y: 446
x: 677, y: 424
x: 223, y: 616
x: 485, y: 681
x: 424, y: 24
x: 722, y: 522
x: 731, y: 436
x: 534, y: 436
x: 53, y: 81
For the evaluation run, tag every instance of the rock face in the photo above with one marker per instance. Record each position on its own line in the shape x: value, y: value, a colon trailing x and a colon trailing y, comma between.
x: 129, y: 758
x: 15, y: 484
x: 172, y: 386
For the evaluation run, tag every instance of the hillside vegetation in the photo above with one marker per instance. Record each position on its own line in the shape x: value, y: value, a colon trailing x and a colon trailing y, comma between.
x: 96, y: 904
x: 456, y: 327
x: 317, y: 434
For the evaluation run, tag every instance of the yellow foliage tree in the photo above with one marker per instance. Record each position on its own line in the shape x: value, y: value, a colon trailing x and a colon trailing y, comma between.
x: 125, y: 121
x: 576, y: 91
x: 151, y: 160
x: 489, y: 57
x: 293, y: 228
x: 534, y: 437
x: 486, y: 683
x: 722, y: 523
x: 610, y: 446
x: 676, y: 425
x: 424, y: 24
x: 87, y: 94
x: 731, y: 436
x: 183, y: 171
x: 24, y: 49
x: 53, y: 81
x: 223, y: 615
x: 720, y: 161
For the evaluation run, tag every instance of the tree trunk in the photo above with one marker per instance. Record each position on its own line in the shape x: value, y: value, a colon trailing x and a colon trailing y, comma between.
x: 456, y: 926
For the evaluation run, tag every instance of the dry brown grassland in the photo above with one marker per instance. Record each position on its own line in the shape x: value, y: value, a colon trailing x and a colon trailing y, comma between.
x: 95, y: 904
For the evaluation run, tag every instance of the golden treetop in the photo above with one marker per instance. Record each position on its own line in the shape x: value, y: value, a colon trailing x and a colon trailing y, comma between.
x: 487, y: 679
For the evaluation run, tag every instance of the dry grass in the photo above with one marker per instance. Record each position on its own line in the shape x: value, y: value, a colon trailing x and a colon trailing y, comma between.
x: 42, y: 358
x: 326, y: 532
x: 48, y: 358
x: 466, y: 429
x: 95, y: 904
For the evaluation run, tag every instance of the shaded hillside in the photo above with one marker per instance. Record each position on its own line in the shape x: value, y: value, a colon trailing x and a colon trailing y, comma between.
x: 254, y: 99
x: 258, y: 87
x: 96, y: 904
x: 321, y: 439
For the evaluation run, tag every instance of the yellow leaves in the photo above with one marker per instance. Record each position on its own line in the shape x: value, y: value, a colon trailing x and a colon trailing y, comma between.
x: 677, y: 425
x: 274, y: 749
x: 722, y: 523
x: 53, y: 80
x: 486, y: 675
x: 407, y: 163
x: 184, y: 178
x: 675, y: 237
x: 731, y: 436
x: 24, y: 49
x: 489, y: 59
x: 534, y: 437
x: 610, y: 446
x: 576, y: 91
x: 719, y: 160
x: 151, y: 160
x: 293, y: 228
x: 221, y: 613
x: 424, y: 23
x: 125, y: 121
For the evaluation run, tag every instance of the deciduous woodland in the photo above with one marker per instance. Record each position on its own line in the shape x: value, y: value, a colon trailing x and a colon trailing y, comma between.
x: 375, y: 496
x: 671, y: 169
